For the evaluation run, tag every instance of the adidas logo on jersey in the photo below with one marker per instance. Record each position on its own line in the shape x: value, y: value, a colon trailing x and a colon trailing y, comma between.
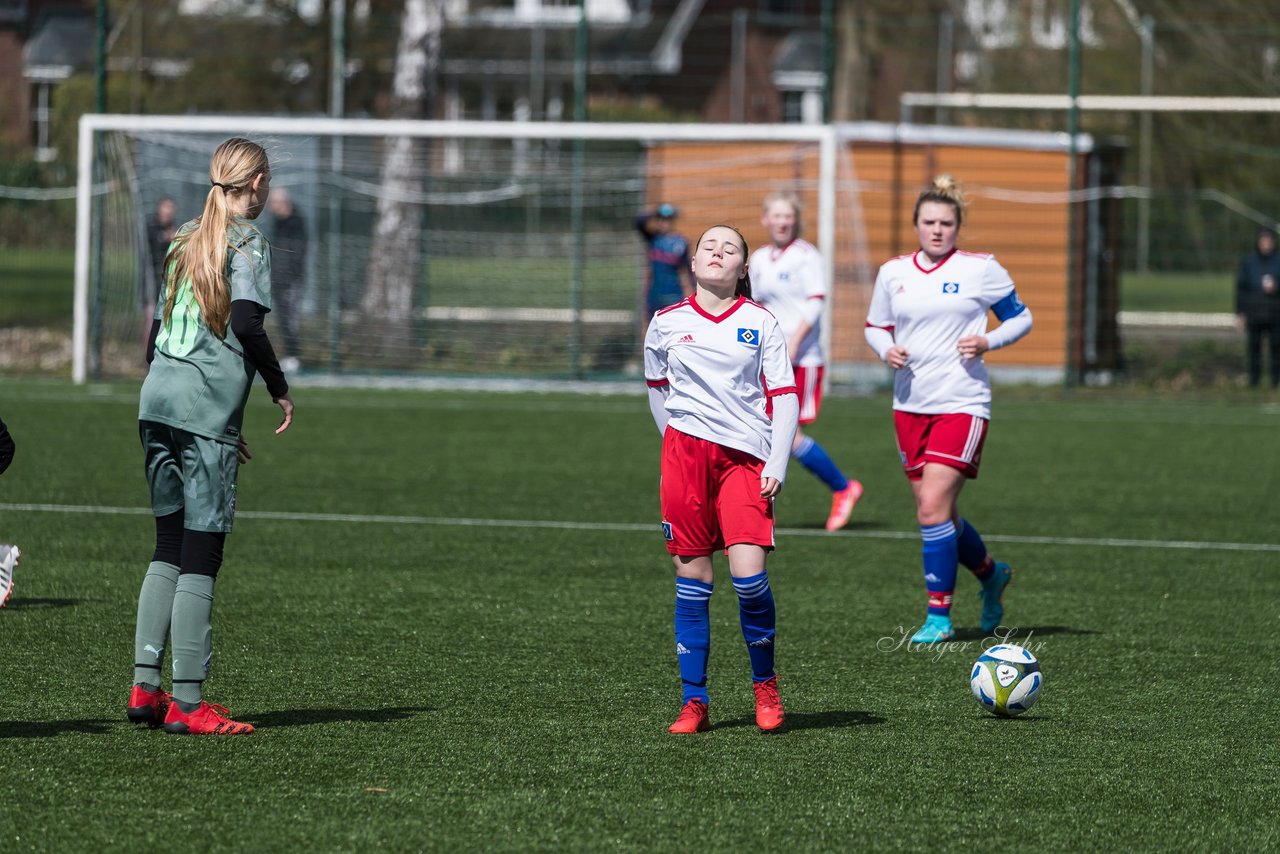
x: 687, y: 339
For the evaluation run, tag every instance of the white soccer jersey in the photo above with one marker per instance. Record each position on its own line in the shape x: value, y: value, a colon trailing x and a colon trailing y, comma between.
x: 928, y: 311
x: 719, y: 370
x: 792, y: 283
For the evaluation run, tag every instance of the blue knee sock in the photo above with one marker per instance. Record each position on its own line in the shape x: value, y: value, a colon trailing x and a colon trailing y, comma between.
x: 973, y: 551
x: 815, y: 459
x: 940, y: 558
x: 758, y: 616
x: 693, y: 636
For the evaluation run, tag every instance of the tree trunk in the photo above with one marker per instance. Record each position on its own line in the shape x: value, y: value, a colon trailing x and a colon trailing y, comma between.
x: 395, y: 262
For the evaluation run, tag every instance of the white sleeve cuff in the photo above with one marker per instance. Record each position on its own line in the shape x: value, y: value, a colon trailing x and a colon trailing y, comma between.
x: 1010, y: 331
x: 786, y: 418
x: 658, y: 407
x: 879, y: 340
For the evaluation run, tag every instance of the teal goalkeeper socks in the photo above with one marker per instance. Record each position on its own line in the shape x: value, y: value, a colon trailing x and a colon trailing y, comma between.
x: 192, y: 630
x: 155, y: 607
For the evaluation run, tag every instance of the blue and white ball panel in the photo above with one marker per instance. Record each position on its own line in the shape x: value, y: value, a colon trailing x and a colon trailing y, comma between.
x: 1009, y: 652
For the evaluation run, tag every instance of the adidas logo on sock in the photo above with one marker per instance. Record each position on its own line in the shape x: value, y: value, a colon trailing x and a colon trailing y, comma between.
x: 931, y: 577
x: 681, y: 649
x: 762, y: 642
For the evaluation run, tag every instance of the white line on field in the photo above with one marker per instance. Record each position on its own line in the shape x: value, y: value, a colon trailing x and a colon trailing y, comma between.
x: 649, y: 528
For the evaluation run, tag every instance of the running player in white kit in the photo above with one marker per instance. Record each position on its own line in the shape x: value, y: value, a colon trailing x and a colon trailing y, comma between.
x: 928, y: 321
x: 712, y: 361
x: 789, y: 278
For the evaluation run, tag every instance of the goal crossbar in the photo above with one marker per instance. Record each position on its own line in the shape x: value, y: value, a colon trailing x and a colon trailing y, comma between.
x: 1106, y: 103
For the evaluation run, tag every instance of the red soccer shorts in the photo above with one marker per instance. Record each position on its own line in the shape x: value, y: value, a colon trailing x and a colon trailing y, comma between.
x: 953, y: 440
x: 711, y: 497
x: 808, y: 390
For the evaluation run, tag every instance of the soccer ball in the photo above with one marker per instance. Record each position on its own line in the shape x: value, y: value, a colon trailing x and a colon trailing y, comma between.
x: 1006, y: 680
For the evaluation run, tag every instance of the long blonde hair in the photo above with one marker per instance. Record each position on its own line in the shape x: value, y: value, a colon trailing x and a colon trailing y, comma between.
x: 945, y: 190
x: 200, y: 254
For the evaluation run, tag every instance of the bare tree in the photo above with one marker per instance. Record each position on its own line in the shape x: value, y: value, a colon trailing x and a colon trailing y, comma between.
x: 395, y: 263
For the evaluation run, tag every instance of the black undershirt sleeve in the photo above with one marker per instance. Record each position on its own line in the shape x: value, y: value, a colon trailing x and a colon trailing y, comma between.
x: 151, y: 340
x: 246, y: 323
x: 6, y: 447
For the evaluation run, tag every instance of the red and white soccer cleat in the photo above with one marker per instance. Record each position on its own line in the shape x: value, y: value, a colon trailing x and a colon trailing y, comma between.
x: 9, y: 556
x: 842, y: 504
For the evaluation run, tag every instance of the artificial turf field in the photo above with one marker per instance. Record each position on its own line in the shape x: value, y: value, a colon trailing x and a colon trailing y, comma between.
x: 449, y: 616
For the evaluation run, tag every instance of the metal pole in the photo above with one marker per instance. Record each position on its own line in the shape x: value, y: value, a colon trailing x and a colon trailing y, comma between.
x: 1073, y: 127
x: 100, y: 67
x: 576, y: 223
x: 828, y: 57
x: 738, y: 67
x: 337, y: 106
x: 946, y: 58
x: 100, y: 99
x: 1144, y: 147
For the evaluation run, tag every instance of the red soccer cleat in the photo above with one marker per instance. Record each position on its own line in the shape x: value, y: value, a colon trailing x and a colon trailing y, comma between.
x: 209, y: 719
x: 693, y: 717
x: 769, y: 713
x: 147, y: 707
x: 842, y: 505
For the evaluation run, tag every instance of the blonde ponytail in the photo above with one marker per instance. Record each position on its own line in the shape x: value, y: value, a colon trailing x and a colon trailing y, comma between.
x: 200, y: 253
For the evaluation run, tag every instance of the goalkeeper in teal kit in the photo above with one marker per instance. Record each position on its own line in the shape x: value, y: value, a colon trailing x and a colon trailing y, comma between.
x: 207, y: 344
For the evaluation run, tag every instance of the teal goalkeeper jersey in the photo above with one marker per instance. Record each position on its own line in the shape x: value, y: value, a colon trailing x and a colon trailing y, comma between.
x: 199, y: 382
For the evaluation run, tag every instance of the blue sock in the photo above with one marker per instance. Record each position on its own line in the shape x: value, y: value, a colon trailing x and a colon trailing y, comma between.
x: 693, y: 636
x: 759, y: 617
x: 973, y: 551
x: 815, y: 459
x: 940, y: 558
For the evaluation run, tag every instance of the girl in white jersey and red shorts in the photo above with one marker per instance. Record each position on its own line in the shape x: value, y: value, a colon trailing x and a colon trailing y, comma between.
x: 789, y: 278
x: 928, y: 321
x: 712, y: 361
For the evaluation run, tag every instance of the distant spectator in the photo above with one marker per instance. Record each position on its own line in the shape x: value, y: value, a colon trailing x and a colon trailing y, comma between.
x: 1258, y: 304
x: 161, y: 228
x: 668, y: 275
x: 288, y: 271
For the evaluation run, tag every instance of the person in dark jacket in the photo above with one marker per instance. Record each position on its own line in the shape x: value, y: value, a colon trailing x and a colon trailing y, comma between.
x: 288, y: 271
x: 1258, y: 304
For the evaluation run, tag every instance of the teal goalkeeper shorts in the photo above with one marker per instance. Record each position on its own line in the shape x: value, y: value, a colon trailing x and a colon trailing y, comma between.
x: 190, y: 473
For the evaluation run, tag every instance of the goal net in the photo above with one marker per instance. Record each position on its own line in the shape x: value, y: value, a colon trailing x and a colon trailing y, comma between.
x: 499, y: 249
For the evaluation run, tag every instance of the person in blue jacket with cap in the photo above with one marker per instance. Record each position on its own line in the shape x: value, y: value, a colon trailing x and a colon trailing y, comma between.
x: 668, y: 274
